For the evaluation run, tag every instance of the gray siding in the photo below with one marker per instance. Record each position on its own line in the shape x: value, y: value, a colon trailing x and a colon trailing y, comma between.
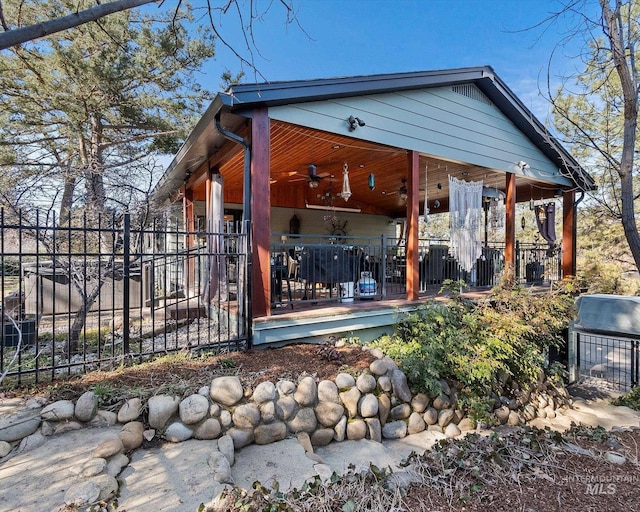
x: 435, y: 121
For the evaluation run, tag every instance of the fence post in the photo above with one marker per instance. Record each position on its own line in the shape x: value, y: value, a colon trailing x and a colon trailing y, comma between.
x: 125, y: 283
x: 634, y: 363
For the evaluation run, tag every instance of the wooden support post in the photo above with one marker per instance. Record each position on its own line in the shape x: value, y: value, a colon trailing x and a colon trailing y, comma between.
x: 413, y: 223
x: 510, y: 224
x: 260, y: 213
x: 568, y: 234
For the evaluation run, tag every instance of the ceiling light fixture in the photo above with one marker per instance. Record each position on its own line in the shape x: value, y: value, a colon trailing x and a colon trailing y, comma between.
x: 346, y: 187
x: 403, y: 191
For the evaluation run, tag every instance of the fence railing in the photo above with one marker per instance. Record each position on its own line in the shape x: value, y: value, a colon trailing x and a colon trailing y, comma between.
x: 338, y: 269
x: 606, y: 360
x: 97, y: 291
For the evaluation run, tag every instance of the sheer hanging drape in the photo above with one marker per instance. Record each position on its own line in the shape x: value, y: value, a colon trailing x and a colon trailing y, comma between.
x: 465, y: 214
x: 215, y: 288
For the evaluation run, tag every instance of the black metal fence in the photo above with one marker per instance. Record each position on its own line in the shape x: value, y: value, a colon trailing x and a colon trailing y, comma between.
x: 100, y: 290
x: 605, y: 359
x: 329, y: 269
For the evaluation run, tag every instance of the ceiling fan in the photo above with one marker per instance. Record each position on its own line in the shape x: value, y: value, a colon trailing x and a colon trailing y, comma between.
x: 312, y: 176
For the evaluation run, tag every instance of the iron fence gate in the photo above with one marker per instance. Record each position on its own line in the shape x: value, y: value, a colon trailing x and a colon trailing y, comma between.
x: 100, y: 290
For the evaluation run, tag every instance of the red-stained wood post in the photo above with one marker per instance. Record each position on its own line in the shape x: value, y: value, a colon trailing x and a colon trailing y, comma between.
x: 413, y: 218
x: 260, y: 213
x: 510, y: 223
x: 568, y: 234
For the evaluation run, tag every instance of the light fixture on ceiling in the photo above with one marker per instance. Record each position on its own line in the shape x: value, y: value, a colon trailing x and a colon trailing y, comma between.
x: 354, y: 122
x: 314, y: 182
x: 403, y: 191
x: 372, y: 181
x: 346, y: 186
x: 331, y: 208
x: 314, y: 179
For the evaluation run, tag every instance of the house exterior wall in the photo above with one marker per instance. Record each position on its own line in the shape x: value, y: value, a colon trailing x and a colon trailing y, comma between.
x: 312, y: 223
x: 460, y: 126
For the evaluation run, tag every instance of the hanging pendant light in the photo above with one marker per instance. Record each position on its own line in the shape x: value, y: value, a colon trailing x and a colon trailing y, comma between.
x: 372, y: 181
x: 346, y: 187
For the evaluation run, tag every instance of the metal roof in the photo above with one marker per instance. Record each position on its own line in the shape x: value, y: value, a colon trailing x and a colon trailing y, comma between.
x: 241, y: 99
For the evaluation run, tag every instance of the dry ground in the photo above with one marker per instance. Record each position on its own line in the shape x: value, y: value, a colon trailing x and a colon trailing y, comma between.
x: 535, y: 479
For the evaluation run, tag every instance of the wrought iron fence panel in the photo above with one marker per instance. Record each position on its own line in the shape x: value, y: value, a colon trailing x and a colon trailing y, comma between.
x: 97, y: 291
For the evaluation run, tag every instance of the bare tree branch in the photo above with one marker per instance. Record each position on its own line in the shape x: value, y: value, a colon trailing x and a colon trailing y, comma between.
x: 18, y: 36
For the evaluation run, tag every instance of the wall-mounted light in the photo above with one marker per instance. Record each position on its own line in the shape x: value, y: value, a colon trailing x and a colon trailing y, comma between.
x: 523, y: 165
x: 354, y: 122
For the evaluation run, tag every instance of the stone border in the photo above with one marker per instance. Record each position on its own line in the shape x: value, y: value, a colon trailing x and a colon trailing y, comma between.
x: 376, y: 405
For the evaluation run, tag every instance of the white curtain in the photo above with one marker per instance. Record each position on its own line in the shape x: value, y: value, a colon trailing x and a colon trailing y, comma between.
x: 215, y: 288
x: 465, y: 214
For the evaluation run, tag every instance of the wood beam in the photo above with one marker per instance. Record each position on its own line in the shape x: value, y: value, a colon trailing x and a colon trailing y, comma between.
x: 568, y: 234
x: 510, y: 223
x: 413, y: 229
x: 260, y: 214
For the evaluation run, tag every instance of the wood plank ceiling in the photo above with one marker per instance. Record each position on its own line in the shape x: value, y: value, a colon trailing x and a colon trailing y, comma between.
x: 294, y: 148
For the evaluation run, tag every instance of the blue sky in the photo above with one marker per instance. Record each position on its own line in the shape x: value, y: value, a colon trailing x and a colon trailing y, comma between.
x: 360, y: 37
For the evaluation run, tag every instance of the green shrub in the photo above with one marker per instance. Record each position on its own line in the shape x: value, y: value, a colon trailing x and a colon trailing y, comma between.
x: 476, y: 344
x: 631, y: 399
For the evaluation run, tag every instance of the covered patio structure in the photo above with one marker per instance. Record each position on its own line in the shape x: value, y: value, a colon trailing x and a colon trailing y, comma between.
x: 284, y: 151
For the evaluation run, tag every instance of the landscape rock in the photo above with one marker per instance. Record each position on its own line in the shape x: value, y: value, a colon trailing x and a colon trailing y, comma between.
x: 445, y: 417
x: 108, y: 448
x: 440, y: 402
x: 226, y: 390
x: 452, y: 430
x: 208, y: 429
x: 286, y: 407
x: 400, y: 386
x: 322, y: 437
x: 285, y: 387
x: 86, y: 406
x: 394, y: 430
x: 246, y: 416
x: 420, y: 402
x: 226, y: 446
x: 416, y: 423
x: 366, y: 383
x: 502, y: 414
x: 466, y: 424
x: 93, y: 467
x: 329, y: 413
x: 304, y: 421
x: 221, y: 468
x: 161, y: 408
x: 385, y: 384
x: 307, y: 392
x: 384, y: 408
x: 340, y: 430
x: 400, y: 412
x: 66, y: 426
x: 131, y: 435
x: 375, y: 429
x: 193, y: 409
x: 108, y: 486
x: 268, y: 412
x: 241, y: 438
x: 178, y: 432
x: 82, y: 494
x: 130, y: 410
x: 264, y: 392
x: 270, y: 433
x: 327, y: 391
x: 104, y: 419
x: 31, y: 442
x: 58, y: 411
x: 369, y: 406
x: 5, y: 448
x: 116, y: 463
x: 344, y: 381
x: 378, y: 367
x: 356, y: 430
x: 21, y: 424
x: 350, y: 399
